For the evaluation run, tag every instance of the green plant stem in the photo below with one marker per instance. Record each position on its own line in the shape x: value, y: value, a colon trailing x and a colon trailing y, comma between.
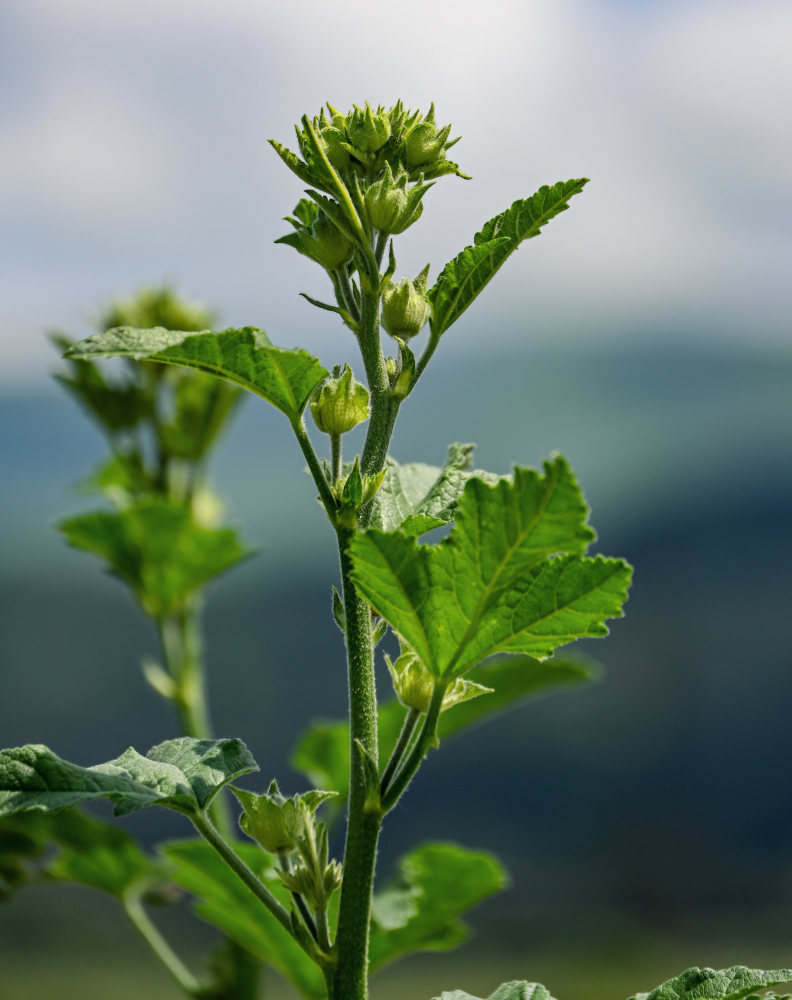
x: 317, y: 473
x: 403, y: 742
x: 425, y: 358
x: 298, y: 900
x: 426, y: 739
x: 335, y: 457
x: 204, y: 826
x: 134, y: 909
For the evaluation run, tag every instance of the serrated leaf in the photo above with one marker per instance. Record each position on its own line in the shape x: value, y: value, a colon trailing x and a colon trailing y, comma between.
x: 415, y: 498
x: 181, y: 774
x: 463, y: 278
x: 516, y: 990
x: 711, y: 984
x: 323, y: 751
x: 497, y: 583
x: 157, y: 548
x: 89, y: 852
x: 420, y: 909
x: 224, y: 901
x: 244, y: 356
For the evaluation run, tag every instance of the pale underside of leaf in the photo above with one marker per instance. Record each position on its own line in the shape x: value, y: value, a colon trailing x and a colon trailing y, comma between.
x: 716, y: 984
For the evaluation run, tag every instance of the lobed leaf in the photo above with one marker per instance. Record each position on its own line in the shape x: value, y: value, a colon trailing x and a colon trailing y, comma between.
x: 323, y: 751
x: 420, y: 909
x: 415, y: 498
x: 498, y: 582
x: 711, y: 984
x: 243, y: 356
x: 461, y: 280
x: 157, y: 548
x: 182, y: 774
x: 508, y: 991
x: 225, y: 902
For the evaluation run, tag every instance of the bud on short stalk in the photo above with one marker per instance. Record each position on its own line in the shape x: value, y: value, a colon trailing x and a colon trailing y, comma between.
x: 414, y: 685
x: 340, y: 403
x: 405, y: 307
x: 368, y: 131
x: 425, y: 143
x: 390, y: 207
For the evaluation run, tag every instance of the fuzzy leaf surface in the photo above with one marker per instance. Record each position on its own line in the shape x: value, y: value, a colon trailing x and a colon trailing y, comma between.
x: 461, y: 280
x: 420, y: 909
x: 225, y: 902
x: 323, y: 752
x: 181, y: 774
x: 244, y: 356
x: 157, y: 548
x: 516, y: 990
x: 716, y: 984
x: 497, y: 583
x: 415, y: 498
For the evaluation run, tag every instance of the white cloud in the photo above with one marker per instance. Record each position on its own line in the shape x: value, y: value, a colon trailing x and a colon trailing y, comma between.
x: 134, y: 148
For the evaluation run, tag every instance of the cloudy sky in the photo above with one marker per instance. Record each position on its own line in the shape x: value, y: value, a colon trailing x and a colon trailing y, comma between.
x: 133, y: 139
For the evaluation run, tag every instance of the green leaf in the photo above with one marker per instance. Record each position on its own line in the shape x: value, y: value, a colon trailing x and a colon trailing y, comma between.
x: 182, y: 774
x: 224, y: 901
x: 712, y: 984
x: 420, y: 909
x: 243, y: 356
x: 89, y: 852
x: 415, y: 498
x: 323, y: 751
x: 497, y: 583
x: 202, y: 407
x: 508, y: 991
x: 157, y: 548
x: 465, y: 276
x: 120, y: 477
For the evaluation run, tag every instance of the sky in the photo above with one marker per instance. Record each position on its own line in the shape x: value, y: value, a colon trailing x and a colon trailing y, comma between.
x: 134, y: 150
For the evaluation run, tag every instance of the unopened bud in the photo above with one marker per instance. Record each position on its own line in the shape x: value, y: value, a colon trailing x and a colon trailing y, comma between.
x: 368, y: 131
x: 405, y: 307
x: 425, y: 143
x: 391, y: 208
x: 340, y: 403
x: 325, y: 243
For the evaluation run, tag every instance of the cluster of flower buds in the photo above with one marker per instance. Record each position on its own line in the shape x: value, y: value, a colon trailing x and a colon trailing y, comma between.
x: 340, y: 403
x: 414, y: 685
x: 405, y: 307
x: 317, y: 237
x: 285, y: 826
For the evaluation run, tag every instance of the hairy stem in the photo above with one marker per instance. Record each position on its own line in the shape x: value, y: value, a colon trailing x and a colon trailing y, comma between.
x: 335, y: 457
x: 403, y: 742
x: 427, y: 739
x: 134, y: 909
x: 317, y: 473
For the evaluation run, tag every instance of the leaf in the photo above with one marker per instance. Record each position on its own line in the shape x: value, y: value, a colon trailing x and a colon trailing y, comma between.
x: 420, y: 909
x: 202, y: 406
x: 89, y: 852
x: 711, y: 984
x: 182, y: 774
x: 243, y: 356
x: 157, y: 548
x: 465, y: 276
x: 323, y: 751
x: 415, y: 498
x: 508, y: 991
x: 497, y: 583
x: 224, y: 901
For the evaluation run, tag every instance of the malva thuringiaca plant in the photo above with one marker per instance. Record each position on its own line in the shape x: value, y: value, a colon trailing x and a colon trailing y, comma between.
x: 476, y: 616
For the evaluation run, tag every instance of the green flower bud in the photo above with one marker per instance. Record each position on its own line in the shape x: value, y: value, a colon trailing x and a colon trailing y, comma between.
x: 390, y: 206
x: 333, y: 140
x: 325, y: 243
x: 426, y: 143
x: 368, y: 131
x: 405, y: 308
x: 339, y: 404
x: 414, y: 685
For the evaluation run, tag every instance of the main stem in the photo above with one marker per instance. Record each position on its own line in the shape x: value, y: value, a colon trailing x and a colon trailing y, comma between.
x: 349, y: 979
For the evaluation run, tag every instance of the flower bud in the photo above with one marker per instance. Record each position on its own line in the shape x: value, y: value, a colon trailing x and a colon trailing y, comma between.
x: 390, y: 206
x: 426, y: 143
x: 368, y: 131
x: 414, y: 685
x: 339, y: 404
x: 325, y: 243
x: 405, y: 308
x: 333, y: 143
